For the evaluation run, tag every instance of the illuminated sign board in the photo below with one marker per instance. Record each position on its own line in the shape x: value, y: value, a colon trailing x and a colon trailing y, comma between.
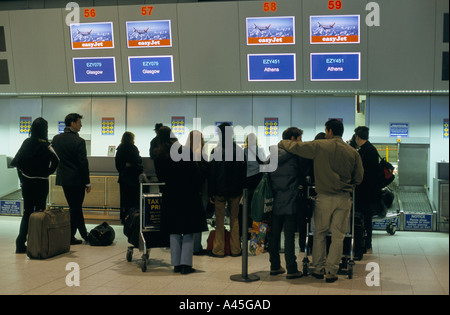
x: 151, y: 69
x: 271, y: 67
x: 335, y: 66
x: 94, y: 70
x: 270, y: 30
x: 92, y: 35
x: 145, y: 34
x: 334, y: 29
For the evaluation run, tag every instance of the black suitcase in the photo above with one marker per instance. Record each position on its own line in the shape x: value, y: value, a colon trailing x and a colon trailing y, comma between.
x: 153, y: 239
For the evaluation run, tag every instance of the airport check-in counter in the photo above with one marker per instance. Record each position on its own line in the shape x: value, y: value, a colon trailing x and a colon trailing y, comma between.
x: 105, y: 191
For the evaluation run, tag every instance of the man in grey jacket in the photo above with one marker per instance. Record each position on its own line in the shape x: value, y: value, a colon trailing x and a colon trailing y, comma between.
x: 337, y: 170
x: 285, y: 181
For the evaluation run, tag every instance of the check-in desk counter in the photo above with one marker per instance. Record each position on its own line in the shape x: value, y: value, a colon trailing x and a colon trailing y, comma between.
x: 104, y: 187
x: 105, y: 190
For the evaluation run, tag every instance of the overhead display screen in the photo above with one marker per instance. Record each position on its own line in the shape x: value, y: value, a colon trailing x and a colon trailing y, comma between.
x: 334, y: 29
x: 336, y: 66
x: 144, y: 34
x: 151, y: 69
x: 92, y: 35
x: 271, y: 67
x: 94, y: 70
x: 271, y: 30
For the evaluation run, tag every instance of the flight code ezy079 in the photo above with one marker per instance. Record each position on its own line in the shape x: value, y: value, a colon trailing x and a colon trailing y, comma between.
x: 227, y: 305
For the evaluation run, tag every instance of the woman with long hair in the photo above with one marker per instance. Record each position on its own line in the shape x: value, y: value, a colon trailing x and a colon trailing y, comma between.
x: 129, y: 165
x: 35, y: 162
x: 182, y: 212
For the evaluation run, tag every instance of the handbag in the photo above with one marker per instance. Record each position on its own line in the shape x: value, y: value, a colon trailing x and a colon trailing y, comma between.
x: 101, y: 235
x: 262, y: 201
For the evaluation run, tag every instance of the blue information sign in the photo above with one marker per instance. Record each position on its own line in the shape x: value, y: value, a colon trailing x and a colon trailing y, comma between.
x: 94, y: 70
x: 11, y: 207
x: 151, y: 69
x: 418, y: 222
x: 336, y: 66
x: 271, y: 67
x: 398, y: 129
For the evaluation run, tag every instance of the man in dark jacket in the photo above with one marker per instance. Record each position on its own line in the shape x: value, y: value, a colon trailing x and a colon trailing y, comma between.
x: 73, y: 172
x: 285, y: 181
x: 367, y: 194
x: 227, y: 175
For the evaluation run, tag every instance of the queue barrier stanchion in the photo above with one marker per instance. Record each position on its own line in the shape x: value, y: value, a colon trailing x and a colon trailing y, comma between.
x: 245, y: 277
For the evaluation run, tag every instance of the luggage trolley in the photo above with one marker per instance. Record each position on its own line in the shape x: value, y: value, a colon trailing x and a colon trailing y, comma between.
x: 150, y: 235
x: 347, y: 261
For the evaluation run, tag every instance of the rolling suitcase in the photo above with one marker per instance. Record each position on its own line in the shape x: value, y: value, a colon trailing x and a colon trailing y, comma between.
x: 48, y: 233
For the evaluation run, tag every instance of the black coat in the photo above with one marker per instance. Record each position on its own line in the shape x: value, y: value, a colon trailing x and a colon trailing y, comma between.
x: 368, y: 190
x: 128, y: 164
x: 35, y: 159
x: 227, y: 178
x: 182, y: 209
x: 73, y: 168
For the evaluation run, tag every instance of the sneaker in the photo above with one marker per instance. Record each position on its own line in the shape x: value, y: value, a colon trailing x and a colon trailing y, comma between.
x: 277, y: 272
x: 369, y: 251
x: 295, y: 275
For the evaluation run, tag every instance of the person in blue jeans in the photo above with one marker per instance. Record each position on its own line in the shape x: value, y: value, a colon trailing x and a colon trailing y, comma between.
x: 285, y: 181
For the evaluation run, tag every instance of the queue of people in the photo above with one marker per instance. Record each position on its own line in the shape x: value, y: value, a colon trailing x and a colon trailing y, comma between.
x: 335, y: 167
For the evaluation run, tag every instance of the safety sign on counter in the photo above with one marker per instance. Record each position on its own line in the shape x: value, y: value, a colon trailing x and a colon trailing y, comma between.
x: 178, y: 124
x: 335, y: 66
x: 10, y: 207
x: 145, y: 34
x: 107, y: 126
x: 418, y: 222
x: 334, y: 29
x: 271, y: 126
x: 92, y: 35
x: 151, y: 69
x: 271, y: 67
x: 25, y: 124
x: 399, y: 129
x: 94, y: 70
x: 271, y: 30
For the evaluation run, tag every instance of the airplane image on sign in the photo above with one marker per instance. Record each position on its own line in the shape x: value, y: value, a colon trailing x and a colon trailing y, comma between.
x: 326, y: 27
x: 262, y: 28
x: 84, y: 33
x: 140, y: 31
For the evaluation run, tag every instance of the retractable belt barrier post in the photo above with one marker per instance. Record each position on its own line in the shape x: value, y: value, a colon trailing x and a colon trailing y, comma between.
x: 244, y: 277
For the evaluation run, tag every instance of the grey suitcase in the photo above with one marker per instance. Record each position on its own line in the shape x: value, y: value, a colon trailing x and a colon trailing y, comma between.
x: 48, y: 233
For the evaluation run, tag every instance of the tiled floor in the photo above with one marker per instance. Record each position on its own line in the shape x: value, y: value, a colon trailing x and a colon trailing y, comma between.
x: 409, y: 262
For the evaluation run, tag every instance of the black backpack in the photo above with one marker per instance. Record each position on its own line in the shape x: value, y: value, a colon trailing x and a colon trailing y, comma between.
x: 385, y: 172
x: 102, y: 235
